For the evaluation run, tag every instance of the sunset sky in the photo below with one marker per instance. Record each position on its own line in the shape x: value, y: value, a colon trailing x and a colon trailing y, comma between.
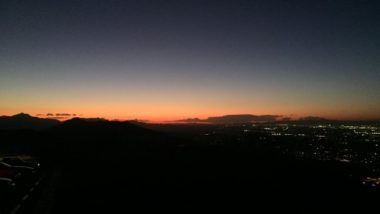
x: 167, y: 60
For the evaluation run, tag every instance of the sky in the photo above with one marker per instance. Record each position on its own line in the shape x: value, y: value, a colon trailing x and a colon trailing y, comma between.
x: 166, y: 60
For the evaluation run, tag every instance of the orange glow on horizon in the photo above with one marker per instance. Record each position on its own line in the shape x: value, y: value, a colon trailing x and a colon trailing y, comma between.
x: 167, y: 118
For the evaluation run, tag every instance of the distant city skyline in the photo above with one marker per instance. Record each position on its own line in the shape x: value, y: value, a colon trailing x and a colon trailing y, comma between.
x: 176, y: 59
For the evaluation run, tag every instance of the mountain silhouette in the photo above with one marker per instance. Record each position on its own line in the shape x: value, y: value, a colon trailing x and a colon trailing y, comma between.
x: 25, y: 121
x: 96, y: 127
x: 235, y: 118
x: 104, y: 131
x: 313, y: 118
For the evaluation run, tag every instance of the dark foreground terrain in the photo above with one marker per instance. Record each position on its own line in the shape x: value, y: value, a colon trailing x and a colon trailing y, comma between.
x: 113, y: 167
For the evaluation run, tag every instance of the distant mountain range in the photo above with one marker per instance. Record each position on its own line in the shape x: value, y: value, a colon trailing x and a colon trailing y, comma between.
x: 95, y: 126
x: 25, y: 121
x: 249, y: 118
x: 76, y: 127
x: 237, y: 118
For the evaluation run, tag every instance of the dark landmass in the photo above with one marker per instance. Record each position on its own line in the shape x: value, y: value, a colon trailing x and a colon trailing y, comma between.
x: 99, y: 166
x: 249, y: 118
x: 25, y: 121
x: 238, y: 118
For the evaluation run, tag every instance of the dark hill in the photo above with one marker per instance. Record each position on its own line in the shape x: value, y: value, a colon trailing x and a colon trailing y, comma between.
x: 95, y: 128
x: 83, y: 140
x: 25, y: 121
x: 235, y: 119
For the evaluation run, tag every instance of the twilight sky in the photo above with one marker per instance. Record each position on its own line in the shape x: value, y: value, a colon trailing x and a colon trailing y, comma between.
x: 163, y: 60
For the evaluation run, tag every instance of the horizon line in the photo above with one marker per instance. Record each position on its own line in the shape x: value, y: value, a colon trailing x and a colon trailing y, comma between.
x: 200, y: 120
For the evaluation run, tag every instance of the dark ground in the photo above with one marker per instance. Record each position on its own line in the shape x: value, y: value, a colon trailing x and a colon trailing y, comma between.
x: 115, y: 167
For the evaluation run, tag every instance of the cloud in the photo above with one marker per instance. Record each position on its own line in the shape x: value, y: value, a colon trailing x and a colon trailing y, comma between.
x: 63, y: 115
x: 57, y: 116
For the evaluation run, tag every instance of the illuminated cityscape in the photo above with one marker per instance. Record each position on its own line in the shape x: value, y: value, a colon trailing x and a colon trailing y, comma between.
x: 156, y: 106
x: 357, y: 144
